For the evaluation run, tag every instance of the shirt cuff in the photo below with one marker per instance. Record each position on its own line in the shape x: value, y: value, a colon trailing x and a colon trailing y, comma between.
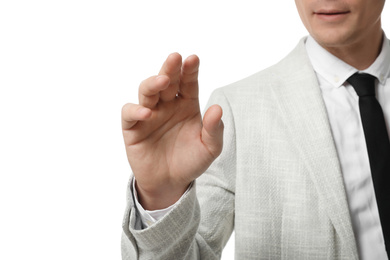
x: 149, y: 217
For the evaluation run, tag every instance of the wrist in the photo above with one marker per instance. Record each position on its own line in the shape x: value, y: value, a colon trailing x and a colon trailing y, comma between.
x: 160, y: 198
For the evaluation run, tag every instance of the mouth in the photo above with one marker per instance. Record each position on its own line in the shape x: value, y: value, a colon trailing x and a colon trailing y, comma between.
x: 330, y: 12
x: 331, y: 15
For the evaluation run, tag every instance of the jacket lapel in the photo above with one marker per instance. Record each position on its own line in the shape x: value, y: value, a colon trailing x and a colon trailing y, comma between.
x: 302, y: 106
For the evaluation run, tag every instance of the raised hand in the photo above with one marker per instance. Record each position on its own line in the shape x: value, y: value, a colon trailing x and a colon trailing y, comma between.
x: 167, y: 143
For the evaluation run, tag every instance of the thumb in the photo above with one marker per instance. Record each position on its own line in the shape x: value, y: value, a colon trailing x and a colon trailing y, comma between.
x: 212, y: 131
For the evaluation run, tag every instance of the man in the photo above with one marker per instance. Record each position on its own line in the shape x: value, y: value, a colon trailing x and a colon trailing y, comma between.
x: 294, y: 175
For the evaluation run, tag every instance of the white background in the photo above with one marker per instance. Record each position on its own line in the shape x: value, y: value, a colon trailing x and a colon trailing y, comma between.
x: 66, y: 69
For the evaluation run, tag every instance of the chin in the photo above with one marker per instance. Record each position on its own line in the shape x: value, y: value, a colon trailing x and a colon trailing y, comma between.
x: 333, y: 38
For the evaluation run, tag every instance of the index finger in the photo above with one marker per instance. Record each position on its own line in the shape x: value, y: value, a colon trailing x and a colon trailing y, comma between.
x: 150, y: 88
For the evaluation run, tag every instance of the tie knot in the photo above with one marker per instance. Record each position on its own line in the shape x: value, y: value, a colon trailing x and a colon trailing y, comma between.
x: 363, y: 83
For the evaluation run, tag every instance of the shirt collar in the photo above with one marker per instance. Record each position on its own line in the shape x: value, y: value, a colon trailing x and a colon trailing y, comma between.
x: 381, y: 66
x: 336, y: 71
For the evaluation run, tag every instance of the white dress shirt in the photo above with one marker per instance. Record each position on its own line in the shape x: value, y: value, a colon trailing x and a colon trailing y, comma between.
x: 342, y: 106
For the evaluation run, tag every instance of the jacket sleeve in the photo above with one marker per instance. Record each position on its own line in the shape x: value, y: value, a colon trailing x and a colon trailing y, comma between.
x: 199, y: 226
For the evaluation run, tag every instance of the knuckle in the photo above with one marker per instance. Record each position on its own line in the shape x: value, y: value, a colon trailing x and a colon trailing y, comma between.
x: 126, y: 109
x: 143, y: 85
x: 141, y: 88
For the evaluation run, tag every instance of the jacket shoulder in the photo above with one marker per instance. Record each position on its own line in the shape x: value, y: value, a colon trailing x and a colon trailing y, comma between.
x: 286, y: 70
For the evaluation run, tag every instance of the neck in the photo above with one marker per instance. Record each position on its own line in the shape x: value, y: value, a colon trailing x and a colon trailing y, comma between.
x: 360, y: 54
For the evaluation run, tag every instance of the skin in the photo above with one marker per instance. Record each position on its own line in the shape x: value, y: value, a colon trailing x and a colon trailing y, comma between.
x: 168, y: 145
x: 345, y: 28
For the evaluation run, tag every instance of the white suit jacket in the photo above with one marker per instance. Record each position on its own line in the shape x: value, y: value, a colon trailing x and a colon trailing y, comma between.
x: 277, y: 183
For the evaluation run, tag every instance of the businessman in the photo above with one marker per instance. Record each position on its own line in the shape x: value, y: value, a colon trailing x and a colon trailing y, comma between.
x: 295, y: 158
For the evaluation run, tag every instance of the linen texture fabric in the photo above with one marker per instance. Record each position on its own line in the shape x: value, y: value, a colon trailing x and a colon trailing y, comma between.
x: 277, y: 183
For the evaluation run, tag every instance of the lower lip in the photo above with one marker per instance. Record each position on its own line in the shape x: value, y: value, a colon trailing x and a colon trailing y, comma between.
x: 331, y: 17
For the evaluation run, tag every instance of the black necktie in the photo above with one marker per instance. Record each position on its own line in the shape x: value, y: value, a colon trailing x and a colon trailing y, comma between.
x: 378, y: 146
